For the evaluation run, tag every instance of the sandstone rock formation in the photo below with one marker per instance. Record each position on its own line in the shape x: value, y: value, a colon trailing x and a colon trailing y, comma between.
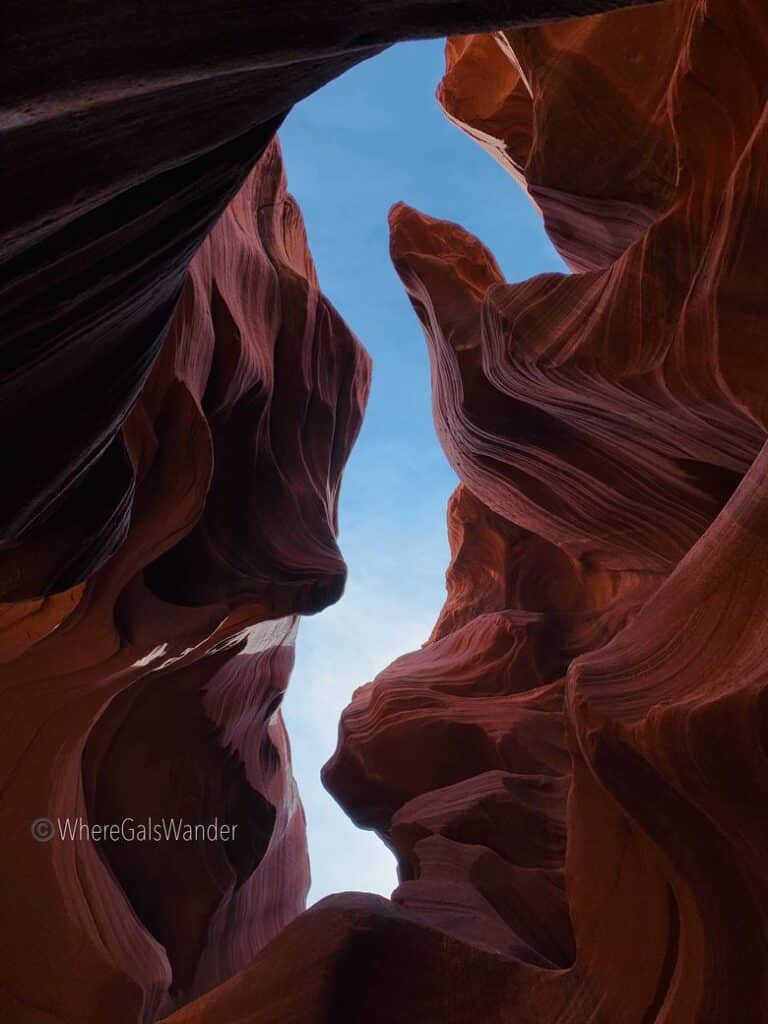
x: 572, y: 770
x: 152, y: 690
x: 126, y: 129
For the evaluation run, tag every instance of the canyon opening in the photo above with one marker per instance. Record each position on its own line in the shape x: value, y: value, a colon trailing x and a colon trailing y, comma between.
x: 382, y: 633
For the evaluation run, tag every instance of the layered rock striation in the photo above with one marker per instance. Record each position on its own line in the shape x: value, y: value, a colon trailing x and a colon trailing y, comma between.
x: 126, y: 130
x: 572, y: 771
x: 151, y: 691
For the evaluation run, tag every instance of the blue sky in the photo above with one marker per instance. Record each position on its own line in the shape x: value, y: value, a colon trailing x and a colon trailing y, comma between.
x: 367, y: 140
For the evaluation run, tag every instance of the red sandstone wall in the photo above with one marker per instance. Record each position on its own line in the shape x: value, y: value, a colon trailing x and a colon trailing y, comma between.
x: 153, y: 689
x: 572, y: 770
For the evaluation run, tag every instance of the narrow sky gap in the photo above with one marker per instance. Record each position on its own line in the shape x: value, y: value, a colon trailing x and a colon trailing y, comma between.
x: 367, y: 140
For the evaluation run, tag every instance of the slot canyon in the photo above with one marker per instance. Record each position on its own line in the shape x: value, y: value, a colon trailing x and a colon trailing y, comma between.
x: 571, y: 772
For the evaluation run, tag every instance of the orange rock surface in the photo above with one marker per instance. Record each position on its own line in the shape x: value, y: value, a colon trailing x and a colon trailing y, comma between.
x: 152, y: 691
x: 126, y: 128
x: 572, y: 771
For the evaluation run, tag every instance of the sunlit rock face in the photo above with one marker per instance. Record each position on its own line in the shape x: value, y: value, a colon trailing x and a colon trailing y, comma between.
x: 152, y: 690
x: 572, y: 771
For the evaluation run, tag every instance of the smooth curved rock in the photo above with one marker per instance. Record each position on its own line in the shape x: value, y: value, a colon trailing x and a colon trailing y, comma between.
x: 576, y: 111
x: 572, y: 770
x: 126, y: 130
x: 605, y: 837
x: 153, y: 690
x: 579, y: 824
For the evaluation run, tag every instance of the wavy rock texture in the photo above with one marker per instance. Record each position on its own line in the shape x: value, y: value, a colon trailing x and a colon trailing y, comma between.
x: 572, y: 771
x: 126, y: 129
x: 153, y: 689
